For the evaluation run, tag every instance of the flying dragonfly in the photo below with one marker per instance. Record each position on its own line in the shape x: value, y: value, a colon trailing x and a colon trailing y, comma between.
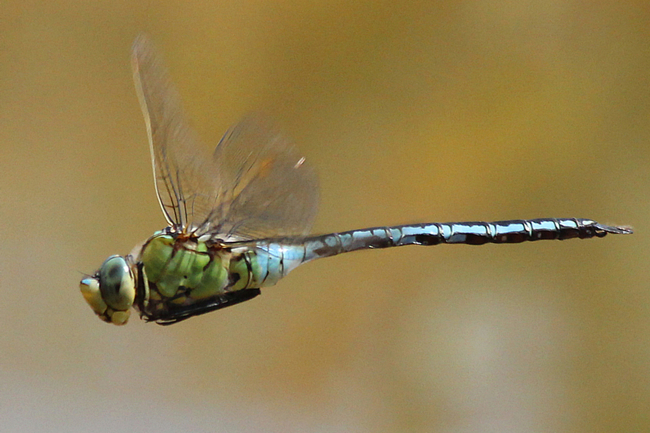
x: 239, y: 219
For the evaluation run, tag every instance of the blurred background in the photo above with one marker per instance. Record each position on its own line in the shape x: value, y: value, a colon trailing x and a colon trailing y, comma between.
x: 410, y: 112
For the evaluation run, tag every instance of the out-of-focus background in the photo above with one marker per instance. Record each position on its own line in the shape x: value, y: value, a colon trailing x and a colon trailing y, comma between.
x: 410, y: 112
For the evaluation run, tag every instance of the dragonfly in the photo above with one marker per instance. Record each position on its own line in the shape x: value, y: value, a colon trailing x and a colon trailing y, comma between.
x: 239, y: 219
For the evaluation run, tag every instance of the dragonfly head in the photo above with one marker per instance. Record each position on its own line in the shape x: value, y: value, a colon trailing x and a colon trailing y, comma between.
x: 110, y: 292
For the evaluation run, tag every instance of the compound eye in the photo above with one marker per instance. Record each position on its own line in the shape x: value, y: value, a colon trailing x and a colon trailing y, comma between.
x: 116, y: 283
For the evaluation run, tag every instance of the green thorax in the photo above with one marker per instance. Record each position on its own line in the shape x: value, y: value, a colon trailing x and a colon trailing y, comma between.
x: 180, y: 270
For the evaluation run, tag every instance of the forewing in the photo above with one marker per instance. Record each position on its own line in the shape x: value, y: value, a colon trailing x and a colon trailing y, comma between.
x: 182, y: 169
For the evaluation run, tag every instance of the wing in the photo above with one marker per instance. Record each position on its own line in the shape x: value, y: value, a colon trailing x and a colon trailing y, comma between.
x: 268, y: 188
x: 254, y: 185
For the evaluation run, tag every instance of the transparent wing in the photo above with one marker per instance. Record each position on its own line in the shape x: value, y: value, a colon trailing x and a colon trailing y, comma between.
x: 268, y: 188
x: 179, y: 164
x: 254, y: 185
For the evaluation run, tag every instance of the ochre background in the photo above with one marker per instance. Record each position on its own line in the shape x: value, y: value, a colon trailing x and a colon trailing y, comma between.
x: 410, y: 112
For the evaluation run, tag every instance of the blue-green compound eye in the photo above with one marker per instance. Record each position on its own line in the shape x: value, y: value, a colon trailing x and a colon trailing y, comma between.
x: 116, y: 283
x: 111, y: 292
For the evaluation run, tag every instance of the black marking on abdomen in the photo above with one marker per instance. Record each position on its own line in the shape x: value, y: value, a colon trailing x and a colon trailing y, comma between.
x: 427, y: 239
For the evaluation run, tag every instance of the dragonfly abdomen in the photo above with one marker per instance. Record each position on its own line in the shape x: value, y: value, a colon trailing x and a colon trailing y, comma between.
x: 268, y: 261
x: 500, y: 232
x: 472, y: 233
